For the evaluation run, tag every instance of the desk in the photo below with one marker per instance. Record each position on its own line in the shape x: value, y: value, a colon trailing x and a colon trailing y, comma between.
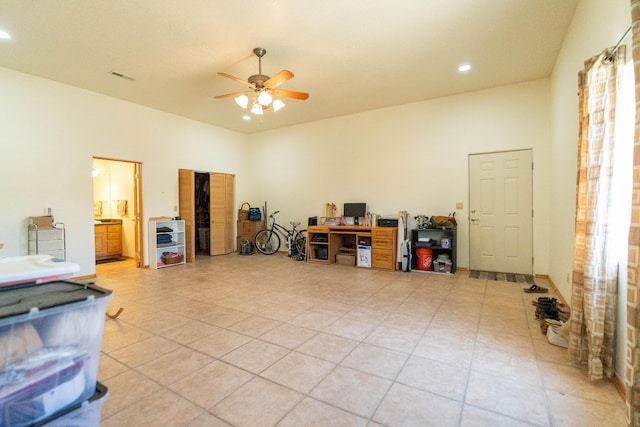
x: 325, y: 242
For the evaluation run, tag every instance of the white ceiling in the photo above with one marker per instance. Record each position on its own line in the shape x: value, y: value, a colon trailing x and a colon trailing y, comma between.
x: 350, y: 55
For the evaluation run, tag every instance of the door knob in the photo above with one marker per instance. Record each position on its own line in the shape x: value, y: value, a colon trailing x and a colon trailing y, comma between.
x: 475, y: 219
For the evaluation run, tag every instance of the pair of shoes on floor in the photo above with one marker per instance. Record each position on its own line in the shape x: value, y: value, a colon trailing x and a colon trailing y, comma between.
x: 543, y: 314
x: 558, y: 333
x: 535, y: 289
x: 547, y: 300
x: 547, y: 309
x: 550, y: 308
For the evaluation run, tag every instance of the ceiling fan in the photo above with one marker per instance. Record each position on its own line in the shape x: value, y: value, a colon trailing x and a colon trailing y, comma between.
x: 262, y: 89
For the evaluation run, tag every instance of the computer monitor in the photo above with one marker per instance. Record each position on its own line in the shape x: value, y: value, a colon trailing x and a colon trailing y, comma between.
x: 355, y: 210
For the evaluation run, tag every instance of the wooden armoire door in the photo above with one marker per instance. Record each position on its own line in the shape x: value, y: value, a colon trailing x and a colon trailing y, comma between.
x: 230, y: 188
x: 186, y: 209
x: 221, y: 208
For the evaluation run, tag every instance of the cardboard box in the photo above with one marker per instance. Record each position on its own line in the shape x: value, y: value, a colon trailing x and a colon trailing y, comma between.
x: 346, y: 259
x: 42, y: 222
x: 249, y: 229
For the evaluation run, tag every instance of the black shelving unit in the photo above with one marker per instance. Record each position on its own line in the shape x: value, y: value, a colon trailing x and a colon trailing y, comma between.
x: 440, y: 240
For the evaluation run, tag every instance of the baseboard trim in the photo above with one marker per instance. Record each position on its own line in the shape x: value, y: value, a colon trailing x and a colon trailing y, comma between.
x: 90, y: 276
x: 619, y: 384
x: 555, y: 288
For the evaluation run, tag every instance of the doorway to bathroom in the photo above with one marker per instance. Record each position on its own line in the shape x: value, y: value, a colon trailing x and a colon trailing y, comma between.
x: 117, y: 211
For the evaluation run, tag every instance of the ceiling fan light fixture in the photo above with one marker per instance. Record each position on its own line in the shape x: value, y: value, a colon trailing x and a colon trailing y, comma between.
x: 261, y: 90
x: 242, y: 101
x: 265, y: 98
x: 256, y: 109
x: 277, y: 105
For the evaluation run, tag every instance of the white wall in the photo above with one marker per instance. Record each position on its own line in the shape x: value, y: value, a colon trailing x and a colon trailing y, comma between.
x: 49, y: 133
x: 596, y: 25
x: 412, y: 157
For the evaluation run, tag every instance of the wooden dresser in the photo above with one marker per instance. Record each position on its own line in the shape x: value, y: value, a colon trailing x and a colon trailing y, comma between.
x: 383, y: 248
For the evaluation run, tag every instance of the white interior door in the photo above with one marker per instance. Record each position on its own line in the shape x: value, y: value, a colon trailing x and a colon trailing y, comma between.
x: 501, y: 212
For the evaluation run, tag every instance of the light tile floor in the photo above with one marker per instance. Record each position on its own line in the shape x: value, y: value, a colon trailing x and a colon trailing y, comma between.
x: 263, y: 341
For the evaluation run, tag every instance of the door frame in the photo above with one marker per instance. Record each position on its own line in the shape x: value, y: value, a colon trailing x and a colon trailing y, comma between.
x: 137, y: 207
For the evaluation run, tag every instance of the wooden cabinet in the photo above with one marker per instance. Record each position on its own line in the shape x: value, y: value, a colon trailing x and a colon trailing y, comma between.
x: 247, y: 230
x: 324, y: 243
x: 383, y: 248
x: 114, y: 240
x: 108, y: 240
x: 166, y: 242
x: 318, y: 245
x: 100, y: 237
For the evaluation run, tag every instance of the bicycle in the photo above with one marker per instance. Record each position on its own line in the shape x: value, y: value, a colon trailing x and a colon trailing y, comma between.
x: 268, y: 241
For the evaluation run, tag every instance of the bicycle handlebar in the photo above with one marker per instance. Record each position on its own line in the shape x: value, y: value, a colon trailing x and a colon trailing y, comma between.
x: 271, y: 216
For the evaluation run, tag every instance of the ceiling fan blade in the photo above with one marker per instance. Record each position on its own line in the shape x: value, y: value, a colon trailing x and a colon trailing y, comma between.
x: 235, y: 79
x: 278, y: 79
x: 232, y: 95
x: 290, y: 94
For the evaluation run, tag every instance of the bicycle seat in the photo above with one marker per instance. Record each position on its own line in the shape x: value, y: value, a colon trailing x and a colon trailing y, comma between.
x: 294, y: 223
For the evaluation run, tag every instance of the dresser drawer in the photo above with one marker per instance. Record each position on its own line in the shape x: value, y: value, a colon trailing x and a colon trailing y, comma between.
x: 114, y: 232
x: 382, y: 259
x: 382, y: 243
x: 46, y: 245
x: 114, y: 247
x: 50, y: 234
x: 383, y: 233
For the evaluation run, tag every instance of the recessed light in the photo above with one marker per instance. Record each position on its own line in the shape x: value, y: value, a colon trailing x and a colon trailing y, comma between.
x: 245, y: 117
x: 4, y: 35
x: 464, y: 67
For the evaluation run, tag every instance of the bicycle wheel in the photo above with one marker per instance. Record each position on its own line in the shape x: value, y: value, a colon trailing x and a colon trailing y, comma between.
x: 267, y: 242
x: 300, y: 241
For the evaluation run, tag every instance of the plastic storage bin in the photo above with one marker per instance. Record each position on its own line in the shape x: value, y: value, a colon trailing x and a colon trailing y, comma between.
x: 83, y: 414
x: 34, y: 268
x: 50, y: 337
x: 442, y: 266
